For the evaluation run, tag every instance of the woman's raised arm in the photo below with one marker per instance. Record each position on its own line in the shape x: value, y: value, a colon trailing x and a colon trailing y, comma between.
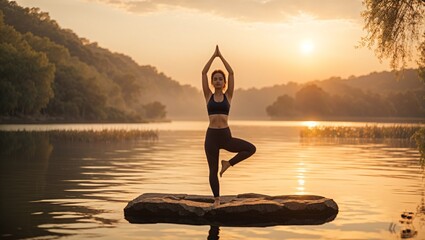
x: 231, y: 78
x: 205, y: 84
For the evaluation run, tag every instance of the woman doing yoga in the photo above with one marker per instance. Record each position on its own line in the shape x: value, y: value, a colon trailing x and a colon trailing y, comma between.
x: 218, y: 135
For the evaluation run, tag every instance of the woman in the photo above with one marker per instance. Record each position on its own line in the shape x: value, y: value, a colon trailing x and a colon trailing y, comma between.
x: 218, y: 135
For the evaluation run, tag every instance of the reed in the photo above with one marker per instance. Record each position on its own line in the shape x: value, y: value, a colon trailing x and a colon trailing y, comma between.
x: 410, y: 133
x: 419, y: 137
x: 371, y: 132
x: 106, y: 135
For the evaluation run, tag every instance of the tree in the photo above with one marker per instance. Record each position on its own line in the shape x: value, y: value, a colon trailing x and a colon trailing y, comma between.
x: 312, y: 101
x: 155, y: 110
x: 422, y: 60
x: 394, y: 28
x: 26, y: 76
x: 407, y: 104
x: 284, y: 106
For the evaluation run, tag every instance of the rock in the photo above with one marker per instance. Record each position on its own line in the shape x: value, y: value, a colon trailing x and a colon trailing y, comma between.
x: 247, y: 209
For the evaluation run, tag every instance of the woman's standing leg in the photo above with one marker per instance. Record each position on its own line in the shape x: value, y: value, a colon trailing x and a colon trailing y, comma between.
x: 212, y: 152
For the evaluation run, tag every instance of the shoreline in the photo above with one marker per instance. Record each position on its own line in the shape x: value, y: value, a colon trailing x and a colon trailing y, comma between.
x: 272, y: 120
x: 358, y: 119
x: 53, y: 121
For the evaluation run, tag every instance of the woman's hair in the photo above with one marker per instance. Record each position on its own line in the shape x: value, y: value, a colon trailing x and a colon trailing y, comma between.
x: 218, y: 71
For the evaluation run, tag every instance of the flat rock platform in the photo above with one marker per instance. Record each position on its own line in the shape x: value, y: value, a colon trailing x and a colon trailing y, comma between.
x: 248, y: 209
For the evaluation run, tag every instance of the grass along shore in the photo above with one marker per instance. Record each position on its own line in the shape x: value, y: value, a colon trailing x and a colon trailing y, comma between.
x: 419, y: 137
x: 410, y: 133
x: 106, y: 135
x: 371, y: 132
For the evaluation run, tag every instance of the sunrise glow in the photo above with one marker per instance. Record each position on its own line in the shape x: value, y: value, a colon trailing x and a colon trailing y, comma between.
x: 306, y: 47
x: 272, y: 47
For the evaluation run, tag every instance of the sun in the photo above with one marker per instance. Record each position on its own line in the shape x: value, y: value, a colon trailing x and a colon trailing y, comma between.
x: 306, y: 47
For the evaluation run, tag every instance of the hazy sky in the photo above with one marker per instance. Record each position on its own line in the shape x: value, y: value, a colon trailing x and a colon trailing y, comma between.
x: 266, y: 42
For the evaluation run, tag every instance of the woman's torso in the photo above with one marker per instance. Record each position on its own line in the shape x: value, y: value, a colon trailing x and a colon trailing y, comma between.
x: 218, y: 110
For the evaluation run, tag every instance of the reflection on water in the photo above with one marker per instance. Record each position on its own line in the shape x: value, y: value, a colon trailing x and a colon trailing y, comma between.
x: 24, y: 171
x: 213, y: 233
x: 53, y: 189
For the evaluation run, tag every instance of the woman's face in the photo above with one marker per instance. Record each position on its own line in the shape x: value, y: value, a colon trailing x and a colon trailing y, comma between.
x: 218, y: 81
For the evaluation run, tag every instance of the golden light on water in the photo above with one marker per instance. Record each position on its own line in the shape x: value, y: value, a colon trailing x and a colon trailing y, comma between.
x: 310, y: 124
x: 301, y: 181
x: 301, y: 178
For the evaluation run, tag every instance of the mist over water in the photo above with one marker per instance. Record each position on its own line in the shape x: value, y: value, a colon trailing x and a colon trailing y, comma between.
x: 78, y: 190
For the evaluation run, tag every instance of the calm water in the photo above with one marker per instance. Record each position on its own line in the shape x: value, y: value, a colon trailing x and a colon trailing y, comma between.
x: 52, y: 190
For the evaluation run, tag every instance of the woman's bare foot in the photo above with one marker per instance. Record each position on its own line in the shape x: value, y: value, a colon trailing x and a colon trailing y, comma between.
x: 224, y: 166
x: 216, y: 202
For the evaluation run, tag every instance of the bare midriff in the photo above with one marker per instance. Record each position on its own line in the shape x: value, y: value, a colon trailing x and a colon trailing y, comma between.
x: 218, y: 121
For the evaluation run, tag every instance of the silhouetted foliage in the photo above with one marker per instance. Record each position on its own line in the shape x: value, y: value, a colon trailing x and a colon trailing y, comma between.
x: 91, y: 83
x: 251, y: 103
x: 284, y: 106
x: 419, y: 137
x: 154, y: 110
x: 26, y: 75
x: 394, y: 28
x: 86, y: 82
x: 313, y: 102
x: 421, y: 61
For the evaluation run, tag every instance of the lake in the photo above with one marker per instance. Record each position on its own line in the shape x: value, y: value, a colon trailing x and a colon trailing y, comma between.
x: 53, y: 190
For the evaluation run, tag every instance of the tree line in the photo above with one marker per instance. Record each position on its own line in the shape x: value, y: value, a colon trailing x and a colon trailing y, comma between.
x: 313, y: 102
x: 50, y: 72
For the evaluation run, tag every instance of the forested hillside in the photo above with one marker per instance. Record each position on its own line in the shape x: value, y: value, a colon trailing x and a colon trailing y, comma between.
x: 314, y: 103
x: 50, y: 73
x: 382, y: 94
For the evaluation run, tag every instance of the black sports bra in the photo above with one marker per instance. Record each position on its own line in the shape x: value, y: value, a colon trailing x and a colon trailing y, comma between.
x: 222, y: 107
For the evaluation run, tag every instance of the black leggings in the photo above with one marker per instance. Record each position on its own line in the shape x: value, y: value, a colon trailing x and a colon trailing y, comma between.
x: 221, y: 138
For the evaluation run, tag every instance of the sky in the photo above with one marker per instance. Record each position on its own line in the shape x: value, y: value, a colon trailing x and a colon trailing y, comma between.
x: 267, y: 42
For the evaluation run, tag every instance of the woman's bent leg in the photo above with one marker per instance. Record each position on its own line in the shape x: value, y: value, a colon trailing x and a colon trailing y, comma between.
x: 243, y: 148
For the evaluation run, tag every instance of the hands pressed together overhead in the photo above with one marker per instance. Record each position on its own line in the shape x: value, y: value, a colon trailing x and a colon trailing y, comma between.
x: 217, y: 52
x: 205, y: 82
